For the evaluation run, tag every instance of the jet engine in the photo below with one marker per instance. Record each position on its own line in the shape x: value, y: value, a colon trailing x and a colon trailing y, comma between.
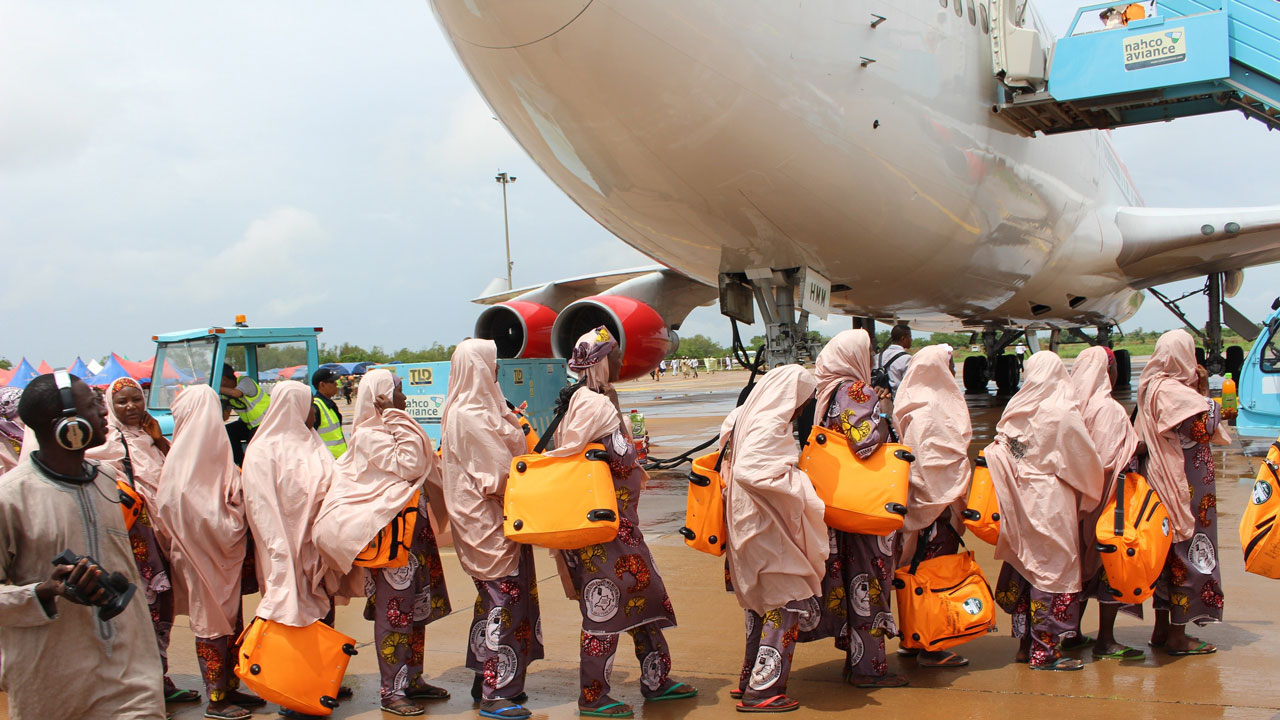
x: 520, y: 328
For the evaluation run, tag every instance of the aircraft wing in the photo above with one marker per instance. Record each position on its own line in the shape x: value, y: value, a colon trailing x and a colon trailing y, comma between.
x: 570, y: 288
x: 1162, y: 245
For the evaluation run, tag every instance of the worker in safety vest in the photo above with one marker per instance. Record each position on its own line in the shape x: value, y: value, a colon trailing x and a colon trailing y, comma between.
x: 247, y: 398
x: 328, y: 418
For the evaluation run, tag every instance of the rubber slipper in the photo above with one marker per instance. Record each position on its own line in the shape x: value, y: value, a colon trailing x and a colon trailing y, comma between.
x: 672, y: 694
x: 414, y: 710
x: 1061, y: 665
x: 427, y: 691
x: 775, y: 704
x: 884, y: 681
x: 1155, y: 643
x: 951, y: 660
x: 505, y: 712
x: 600, y: 711
x: 182, y: 696
x: 228, y: 713
x: 736, y: 694
x: 1076, y: 642
x: 1203, y: 648
x: 1125, y: 654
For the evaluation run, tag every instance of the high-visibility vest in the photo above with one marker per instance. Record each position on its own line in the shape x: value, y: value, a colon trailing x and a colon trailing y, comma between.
x: 252, y: 408
x: 329, y: 425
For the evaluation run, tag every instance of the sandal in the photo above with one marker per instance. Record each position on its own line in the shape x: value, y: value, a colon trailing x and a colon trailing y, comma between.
x: 1062, y: 664
x: 1076, y: 642
x: 230, y: 712
x: 947, y: 659
x: 624, y: 711
x: 672, y: 693
x: 1127, y: 653
x: 501, y: 709
x: 736, y: 694
x: 427, y: 691
x: 403, y: 708
x: 182, y: 696
x: 775, y: 704
x: 887, y: 680
x: 245, y: 700
x: 1203, y: 648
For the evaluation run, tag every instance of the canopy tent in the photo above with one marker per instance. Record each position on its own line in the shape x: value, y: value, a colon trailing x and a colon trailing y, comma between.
x: 361, y: 368
x: 4, y: 376
x: 111, y: 372
x: 22, y: 375
x: 169, y: 372
x: 94, y: 366
x: 79, y: 369
x: 136, y: 370
x: 44, y: 368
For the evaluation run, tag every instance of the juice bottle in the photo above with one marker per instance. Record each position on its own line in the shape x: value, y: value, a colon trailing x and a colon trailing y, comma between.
x: 1230, y: 400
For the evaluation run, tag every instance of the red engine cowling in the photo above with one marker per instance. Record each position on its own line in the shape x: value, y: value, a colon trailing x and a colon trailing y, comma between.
x: 641, y: 331
x: 521, y: 329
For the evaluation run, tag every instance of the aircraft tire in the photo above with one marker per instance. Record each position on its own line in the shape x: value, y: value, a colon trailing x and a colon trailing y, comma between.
x: 1007, y: 374
x: 1124, y: 369
x: 1235, y: 361
x: 975, y: 375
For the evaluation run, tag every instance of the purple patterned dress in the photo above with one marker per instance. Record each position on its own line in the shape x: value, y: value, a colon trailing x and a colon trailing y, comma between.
x: 620, y: 591
x: 506, y: 630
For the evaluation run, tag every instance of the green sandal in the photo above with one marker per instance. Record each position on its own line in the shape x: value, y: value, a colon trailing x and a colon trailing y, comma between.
x: 600, y: 711
x: 1125, y: 654
x: 672, y: 693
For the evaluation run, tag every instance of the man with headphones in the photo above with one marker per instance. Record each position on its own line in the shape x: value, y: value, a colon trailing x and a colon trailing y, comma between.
x: 61, y: 659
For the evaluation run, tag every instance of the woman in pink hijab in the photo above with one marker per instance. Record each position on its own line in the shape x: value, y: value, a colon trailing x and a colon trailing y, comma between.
x: 287, y: 471
x: 1178, y: 421
x: 932, y: 419
x: 388, y: 459
x: 778, y: 542
x: 610, y: 603
x: 479, y: 438
x: 857, y: 585
x: 199, y: 511
x: 1093, y: 378
x: 1047, y: 475
x: 135, y: 449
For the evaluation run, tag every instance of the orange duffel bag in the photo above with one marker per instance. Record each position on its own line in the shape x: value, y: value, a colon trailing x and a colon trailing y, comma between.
x: 390, y: 547
x: 942, y: 602
x: 982, y: 516
x: 704, y: 525
x: 868, y: 496
x: 1133, y: 538
x: 562, y: 503
x: 1257, y: 527
x: 299, y: 668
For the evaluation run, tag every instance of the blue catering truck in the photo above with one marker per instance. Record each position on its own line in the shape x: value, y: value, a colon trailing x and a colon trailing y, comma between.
x: 536, y: 382
x: 195, y: 357
x: 1259, y: 382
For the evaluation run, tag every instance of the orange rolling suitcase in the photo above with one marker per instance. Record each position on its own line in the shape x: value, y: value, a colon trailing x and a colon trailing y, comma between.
x: 862, y: 496
x: 562, y: 503
x: 1133, y: 538
x: 297, y: 668
x: 390, y: 547
x: 943, y: 602
x: 704, y: 525
x: 982, y: 516
x: 1258, y: 536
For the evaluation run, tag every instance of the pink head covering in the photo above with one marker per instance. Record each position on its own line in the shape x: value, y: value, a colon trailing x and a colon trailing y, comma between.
x: 198, y: 508
x: 287, y: 471
x: 588, y: 356
x: 144, y: 457
x: 1167, y: 397
x: 778, y: 542
x: 932, y: 418
x: 479, y: 438
x: 388, y: 458
x: 847, y: 356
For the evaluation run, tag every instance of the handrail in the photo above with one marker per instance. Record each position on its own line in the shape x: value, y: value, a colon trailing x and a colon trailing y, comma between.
x: 1071, y: 31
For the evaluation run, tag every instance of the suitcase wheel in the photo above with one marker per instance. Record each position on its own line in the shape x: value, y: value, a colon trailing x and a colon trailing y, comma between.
x: 688, y: 534
x: 602, y: 516
x: 517, y: 524
x: 254, y: 669
x: 919, y: 591
x: 349, y: 649
x: 1130, y: 552
x: 1137, y: 591
x: 904, y: 455
x: 896, y: 508
x: 915, y: 636
x: 995, y: 517
x: 521, y: 467
x: 711, y: 539
x: 821, y: 439
x: 328, y: 702
x: 696, y: 479
x: 971, y: 514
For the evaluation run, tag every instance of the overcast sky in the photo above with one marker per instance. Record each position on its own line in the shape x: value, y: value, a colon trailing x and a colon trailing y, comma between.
x: 165, y: 166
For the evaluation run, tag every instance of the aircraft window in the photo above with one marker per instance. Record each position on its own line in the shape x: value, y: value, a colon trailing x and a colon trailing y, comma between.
x: 973, y: 18
x: 959, y: 8
x: 1270, y: 360
x: 982, y: 15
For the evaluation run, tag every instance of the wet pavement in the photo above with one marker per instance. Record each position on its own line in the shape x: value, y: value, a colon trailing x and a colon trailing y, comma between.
x: 707, y: 646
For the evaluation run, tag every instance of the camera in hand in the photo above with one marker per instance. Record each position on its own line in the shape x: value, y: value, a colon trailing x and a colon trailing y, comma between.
x: 116, y: 588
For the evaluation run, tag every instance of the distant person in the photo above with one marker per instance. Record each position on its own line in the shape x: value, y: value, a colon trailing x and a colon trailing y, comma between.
x: 135, y: 448
x: 60, y: 659
x: 328, y: 421
x: 1047, y: 475
x: 11, y: 431
x: 1112, y: 19
x: 347, y: 385
x: 1093, y: 377
x: 388, y: 463
x: 199, y: 509
x: 250, y: 401
x: 895, y: 358
x: 1178, y: 421
x: 693, y: 365
x: 1020, y: 351
x: 778, y: 542
x: 479, y: 438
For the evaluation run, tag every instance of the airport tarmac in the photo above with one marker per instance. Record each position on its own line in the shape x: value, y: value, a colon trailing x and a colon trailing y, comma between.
x: 707, y: 646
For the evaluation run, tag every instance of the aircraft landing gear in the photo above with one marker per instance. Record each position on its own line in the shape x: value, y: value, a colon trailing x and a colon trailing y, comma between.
x: 994, y: 364
x: 786, y: 337
x: 1216, y: 287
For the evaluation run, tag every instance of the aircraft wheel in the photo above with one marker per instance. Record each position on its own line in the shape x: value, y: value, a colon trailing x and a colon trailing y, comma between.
x: 1007, y: 374
x: 975, y: 375
x: 1235, y: 360
x: 1124, y: 369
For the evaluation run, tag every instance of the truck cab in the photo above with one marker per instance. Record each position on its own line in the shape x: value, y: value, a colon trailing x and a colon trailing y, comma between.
x: 195, y: 357
x: 1259, y: 382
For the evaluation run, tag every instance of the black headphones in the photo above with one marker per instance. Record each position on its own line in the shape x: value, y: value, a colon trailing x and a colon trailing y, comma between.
x: 72, y: 431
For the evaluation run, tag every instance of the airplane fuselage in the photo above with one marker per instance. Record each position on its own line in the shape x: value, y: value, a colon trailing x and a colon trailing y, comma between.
x: 717, y: 136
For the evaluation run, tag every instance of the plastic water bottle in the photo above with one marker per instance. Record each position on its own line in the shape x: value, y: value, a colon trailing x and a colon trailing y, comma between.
x: 639, y: 435
x: 1230, y: 400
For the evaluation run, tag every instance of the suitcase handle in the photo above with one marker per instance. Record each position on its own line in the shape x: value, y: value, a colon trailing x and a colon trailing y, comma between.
x: 1104, y: 548
x: 598, y: 455
x: 904, y: 455
x: 971, y: 514
x: 896, y: 508
x: 688, y: 534
x: 700, y: 481
x: 981, y: 461
x: 604, y: 515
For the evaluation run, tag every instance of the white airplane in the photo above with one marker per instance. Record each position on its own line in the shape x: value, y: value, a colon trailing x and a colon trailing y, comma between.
x: 777, y: 151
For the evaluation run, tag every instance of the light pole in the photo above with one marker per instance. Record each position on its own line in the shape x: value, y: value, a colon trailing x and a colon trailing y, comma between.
x: 506, y: 224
